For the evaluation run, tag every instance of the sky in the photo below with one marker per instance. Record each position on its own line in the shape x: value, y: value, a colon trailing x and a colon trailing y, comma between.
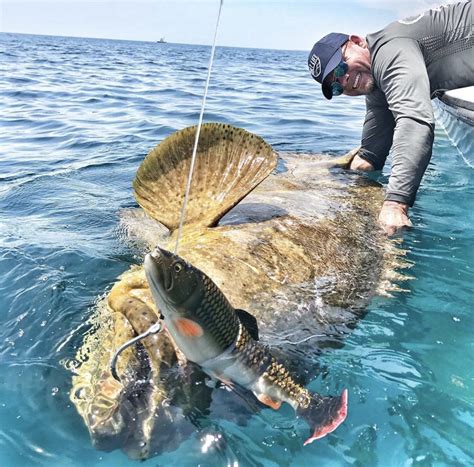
x: 273, y: 24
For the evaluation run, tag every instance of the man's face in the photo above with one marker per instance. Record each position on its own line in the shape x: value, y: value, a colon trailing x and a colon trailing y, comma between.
x: 358, y: 80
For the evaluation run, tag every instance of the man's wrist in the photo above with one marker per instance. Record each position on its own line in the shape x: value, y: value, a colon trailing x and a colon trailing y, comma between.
x: 358, y: 163
x: 397, y: 205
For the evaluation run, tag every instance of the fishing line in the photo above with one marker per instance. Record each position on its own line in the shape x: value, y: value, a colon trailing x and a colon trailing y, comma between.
x: 193, y: 158
x: 155, y: 328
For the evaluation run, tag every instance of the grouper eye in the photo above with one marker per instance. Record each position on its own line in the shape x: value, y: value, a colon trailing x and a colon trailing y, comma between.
x: 178, y: 267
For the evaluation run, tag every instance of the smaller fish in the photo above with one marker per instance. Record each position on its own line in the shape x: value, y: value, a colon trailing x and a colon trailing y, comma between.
x: 224, y: 342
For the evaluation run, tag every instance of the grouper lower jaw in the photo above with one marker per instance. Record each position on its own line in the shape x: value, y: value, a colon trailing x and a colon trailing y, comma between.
x: 158, y: 271
x: 153, y: 274
x: 209, y: 331
x: 172, y: 280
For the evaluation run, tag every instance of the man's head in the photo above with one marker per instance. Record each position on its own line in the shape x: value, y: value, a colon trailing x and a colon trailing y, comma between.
x: 342, y: 65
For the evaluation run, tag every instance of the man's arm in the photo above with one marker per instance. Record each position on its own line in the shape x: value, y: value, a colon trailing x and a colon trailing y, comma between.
x: 377, y: 137
x: 377, y: 133
x: 401, y: 72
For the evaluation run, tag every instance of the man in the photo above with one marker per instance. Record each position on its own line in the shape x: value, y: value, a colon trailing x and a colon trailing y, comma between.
x: 399, y: 69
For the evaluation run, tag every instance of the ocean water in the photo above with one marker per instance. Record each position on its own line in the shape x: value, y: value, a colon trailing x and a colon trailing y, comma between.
x: 78, y: 116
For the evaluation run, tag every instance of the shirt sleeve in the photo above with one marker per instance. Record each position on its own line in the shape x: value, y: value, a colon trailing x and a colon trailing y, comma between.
x: 400, y: 71
x: 377, y: 133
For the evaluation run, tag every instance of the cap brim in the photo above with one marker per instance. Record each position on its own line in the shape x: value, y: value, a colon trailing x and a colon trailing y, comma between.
x: 333, y: 62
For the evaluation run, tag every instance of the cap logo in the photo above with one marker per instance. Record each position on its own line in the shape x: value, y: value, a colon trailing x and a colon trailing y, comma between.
x: 315, y: 66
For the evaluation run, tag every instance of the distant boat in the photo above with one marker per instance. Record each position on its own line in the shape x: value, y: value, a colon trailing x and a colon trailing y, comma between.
x: 161, y: 41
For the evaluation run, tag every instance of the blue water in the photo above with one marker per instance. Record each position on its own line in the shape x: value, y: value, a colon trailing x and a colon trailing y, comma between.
x: 78, y: 116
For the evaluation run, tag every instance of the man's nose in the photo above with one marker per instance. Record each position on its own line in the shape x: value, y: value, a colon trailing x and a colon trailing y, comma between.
x: 343, y: 79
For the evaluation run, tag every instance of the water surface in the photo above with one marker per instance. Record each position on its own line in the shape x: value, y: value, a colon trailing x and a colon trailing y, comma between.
x: 78, y: 117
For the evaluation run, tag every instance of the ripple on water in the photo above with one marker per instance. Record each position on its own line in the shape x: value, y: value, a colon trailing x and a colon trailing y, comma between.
x: 80, y: 115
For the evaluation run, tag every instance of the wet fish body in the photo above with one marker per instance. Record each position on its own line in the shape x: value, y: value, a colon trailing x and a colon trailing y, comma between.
x: 207, y: 329
x: 299, y: 248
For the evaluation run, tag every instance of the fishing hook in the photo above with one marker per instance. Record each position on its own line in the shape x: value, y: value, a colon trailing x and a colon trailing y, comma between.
x: 154, y: 329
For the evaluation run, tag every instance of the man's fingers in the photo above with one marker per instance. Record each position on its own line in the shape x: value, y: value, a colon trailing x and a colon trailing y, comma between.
x: 393, y: 218
x: 392, y: 230
x: 389, y: 229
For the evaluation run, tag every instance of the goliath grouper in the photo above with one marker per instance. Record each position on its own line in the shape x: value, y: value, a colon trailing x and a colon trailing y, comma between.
x: 209, y: 332
x: 299, y: 246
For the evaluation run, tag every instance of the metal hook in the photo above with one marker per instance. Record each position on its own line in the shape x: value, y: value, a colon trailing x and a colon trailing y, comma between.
x: 155, y: 328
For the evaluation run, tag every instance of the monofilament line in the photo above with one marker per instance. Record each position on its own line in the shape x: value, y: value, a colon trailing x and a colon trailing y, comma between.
x: 157, y: 326
x: 198, y: 131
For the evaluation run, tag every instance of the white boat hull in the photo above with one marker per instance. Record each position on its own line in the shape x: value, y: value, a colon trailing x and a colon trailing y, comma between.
x: 455, y: 113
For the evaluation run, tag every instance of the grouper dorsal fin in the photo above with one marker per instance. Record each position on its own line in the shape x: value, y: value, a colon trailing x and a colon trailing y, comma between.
x: 230, y: 163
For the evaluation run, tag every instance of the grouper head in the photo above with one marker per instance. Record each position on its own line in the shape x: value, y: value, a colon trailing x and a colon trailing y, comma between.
x: 196, y: 313
x: 173, y: 281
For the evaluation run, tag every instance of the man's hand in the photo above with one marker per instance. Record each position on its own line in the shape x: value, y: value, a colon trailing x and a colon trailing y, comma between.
x: 361, y: 164
x: 393, y: 217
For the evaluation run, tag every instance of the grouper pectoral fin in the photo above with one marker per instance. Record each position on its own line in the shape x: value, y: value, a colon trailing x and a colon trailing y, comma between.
x: 344, y: 161
x: 249, y: 322
x: 230, y: 163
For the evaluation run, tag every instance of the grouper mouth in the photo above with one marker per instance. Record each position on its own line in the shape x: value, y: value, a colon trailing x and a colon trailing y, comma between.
x: 172, y: 280
x: 158, y: 271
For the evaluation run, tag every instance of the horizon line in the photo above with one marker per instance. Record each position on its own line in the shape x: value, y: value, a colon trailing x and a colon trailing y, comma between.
x: 149, y: 41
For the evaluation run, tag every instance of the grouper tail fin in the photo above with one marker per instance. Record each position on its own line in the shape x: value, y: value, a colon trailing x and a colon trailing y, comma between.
x: 323, y: 414
x: 230, y: 163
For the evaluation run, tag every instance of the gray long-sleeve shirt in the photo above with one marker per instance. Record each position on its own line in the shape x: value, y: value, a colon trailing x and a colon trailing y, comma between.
x: 413, y: 60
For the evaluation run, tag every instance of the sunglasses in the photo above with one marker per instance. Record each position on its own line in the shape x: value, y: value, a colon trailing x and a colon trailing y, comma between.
x: 338, y: 72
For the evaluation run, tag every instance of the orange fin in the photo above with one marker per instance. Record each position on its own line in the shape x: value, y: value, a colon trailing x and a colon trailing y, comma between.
x: 267, y: 400
x: 188, y: 327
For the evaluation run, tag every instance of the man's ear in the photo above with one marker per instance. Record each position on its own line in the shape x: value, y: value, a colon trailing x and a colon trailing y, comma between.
x: 360, y: 41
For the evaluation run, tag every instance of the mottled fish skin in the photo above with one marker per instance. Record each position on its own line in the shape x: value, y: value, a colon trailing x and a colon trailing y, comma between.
x: 207, y: 330
x: 271, y: 241
x: 272, y: 378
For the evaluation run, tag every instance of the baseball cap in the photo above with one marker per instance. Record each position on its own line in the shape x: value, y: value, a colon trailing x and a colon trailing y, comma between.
x: 325, y: 55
